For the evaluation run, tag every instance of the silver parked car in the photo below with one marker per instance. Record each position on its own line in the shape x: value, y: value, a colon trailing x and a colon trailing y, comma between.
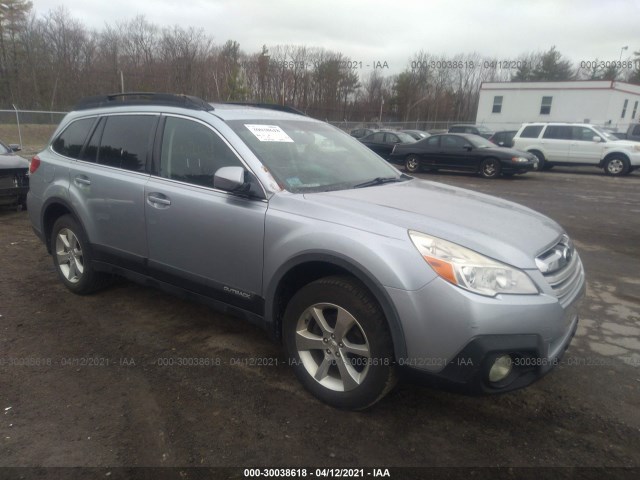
x: 360, y: 270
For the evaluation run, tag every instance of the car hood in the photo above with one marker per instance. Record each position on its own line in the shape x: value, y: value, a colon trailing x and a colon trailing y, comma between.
x: 11, y: 161
x: 497, y: 228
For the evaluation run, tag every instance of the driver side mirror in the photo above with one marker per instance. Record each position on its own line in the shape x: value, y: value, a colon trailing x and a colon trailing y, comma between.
x: 15, y: 147
x: 596, y: 138
x: 468, y: 148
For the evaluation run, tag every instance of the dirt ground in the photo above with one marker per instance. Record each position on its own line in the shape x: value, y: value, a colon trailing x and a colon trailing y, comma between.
x: 96, y: 381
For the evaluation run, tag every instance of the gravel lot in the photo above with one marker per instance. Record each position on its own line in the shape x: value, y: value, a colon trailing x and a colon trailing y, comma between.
x: 91, y: 388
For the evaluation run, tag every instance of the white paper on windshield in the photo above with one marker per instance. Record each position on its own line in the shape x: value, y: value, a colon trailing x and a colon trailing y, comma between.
x: 269, y: 133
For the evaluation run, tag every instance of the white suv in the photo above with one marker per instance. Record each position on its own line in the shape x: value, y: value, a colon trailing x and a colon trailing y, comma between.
x: 577, y: 144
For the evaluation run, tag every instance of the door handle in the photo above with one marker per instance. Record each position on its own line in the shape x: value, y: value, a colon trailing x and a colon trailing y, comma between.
x: 157, y: 199
x: 81, y: 180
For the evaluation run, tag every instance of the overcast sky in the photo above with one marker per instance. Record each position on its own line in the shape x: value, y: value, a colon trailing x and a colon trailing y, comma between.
x: 392, y: 31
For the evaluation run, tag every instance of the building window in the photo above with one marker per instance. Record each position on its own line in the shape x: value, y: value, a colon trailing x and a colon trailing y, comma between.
x: 545, y: 107
x: 497, y: 104
x: 635, y: 109
x: 624, y: 108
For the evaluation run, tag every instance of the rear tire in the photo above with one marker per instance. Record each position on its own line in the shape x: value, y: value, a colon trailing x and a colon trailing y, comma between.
x: 339, y: 344
x: 72, y: 257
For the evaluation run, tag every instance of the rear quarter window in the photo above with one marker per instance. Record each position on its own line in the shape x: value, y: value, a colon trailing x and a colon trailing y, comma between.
x: 70, y: 142
x: 532, y: 131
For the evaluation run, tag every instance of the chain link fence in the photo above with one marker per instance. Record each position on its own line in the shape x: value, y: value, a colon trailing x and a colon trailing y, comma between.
x: 31, y: 129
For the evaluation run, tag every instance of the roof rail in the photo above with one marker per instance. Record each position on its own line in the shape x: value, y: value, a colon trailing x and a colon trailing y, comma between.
x: 270, y: 106
x: 143, y: 98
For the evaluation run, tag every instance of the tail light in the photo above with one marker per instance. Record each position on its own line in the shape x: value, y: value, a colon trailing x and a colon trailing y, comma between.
x: 34, y: 164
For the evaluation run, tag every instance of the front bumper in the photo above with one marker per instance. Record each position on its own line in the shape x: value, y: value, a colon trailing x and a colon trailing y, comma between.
x: 521, y: 167
x: 453, y: 336
x: 468, y: 371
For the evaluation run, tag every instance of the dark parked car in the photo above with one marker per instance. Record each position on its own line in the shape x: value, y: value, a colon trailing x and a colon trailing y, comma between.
x: 383, y: 142
x: 361, y: 132
x: 503, y: 138
x: 466, y: 152
x: 474, y: 129
x: 417, y: 134
x: 14, y: 181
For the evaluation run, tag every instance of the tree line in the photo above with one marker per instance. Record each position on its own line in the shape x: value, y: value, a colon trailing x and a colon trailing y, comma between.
x: 50, y: 61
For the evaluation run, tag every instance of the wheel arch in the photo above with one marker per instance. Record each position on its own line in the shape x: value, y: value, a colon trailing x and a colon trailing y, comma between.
x: 52, y: 209
x: 533, y: 151
x: 308, y: 267
x: 614, y: 154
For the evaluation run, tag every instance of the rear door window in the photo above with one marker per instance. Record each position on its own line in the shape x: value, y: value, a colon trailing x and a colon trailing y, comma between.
x: 451, y: 141
x: 391, y: 138
x: 558, y: 132
x: 433, y: 141
x: 126, y: 141
x: 377, y: 138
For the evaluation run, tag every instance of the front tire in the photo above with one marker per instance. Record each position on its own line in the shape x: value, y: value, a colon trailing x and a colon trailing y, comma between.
x: 490, y: 168
x: 412, y: 164
x: 72, y: 257
x: 339, y: 344
x: 616, y: 166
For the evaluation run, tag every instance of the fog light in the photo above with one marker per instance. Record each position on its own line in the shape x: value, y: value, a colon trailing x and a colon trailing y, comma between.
x: 500, y: 369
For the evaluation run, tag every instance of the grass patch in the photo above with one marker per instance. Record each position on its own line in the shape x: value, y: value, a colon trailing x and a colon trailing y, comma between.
x: 34, y: 137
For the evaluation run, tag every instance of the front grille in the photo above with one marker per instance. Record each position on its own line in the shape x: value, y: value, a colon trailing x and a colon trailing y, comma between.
x: 562, y: 268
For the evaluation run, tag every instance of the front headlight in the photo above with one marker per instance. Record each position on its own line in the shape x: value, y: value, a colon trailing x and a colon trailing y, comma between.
x: 519, y: 159
x: 471, y: 270
x: 636, y: 148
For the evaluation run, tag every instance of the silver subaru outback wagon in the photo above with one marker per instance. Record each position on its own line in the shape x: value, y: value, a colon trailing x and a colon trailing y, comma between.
x: 361, y: 271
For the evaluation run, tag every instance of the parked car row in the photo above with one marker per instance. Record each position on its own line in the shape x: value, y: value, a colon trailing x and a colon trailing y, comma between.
x: 535, y: 146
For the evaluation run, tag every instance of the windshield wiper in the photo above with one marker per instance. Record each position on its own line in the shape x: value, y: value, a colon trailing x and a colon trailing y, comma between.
x: 379, y: 181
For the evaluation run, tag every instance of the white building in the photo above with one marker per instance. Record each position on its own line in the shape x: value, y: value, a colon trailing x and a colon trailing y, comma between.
x: 506, y: 105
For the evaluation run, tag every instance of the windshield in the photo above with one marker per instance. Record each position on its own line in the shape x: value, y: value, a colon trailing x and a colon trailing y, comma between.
x: 480, y: 142
x: 4, y: 150
x: 306, y: 156
x: 606, y: 135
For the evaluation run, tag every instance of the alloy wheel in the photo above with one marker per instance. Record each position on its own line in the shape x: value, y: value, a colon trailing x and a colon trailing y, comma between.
x: 69, y: 255
x: 333, y: 347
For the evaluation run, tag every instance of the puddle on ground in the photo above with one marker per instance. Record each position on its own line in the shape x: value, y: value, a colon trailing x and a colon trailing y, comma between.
x: 609, y: 324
